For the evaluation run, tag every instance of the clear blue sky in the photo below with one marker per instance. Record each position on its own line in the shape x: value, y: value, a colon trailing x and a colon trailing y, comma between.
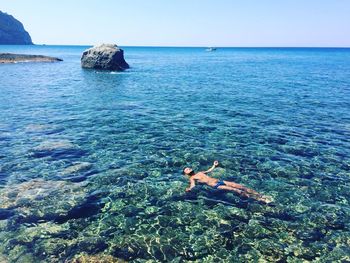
x: 185, y: 22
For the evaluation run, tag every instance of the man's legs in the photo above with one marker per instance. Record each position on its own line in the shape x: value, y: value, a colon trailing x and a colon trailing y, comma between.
x: 229, y: 188
x: 242, y: 187
x: 246, y: 192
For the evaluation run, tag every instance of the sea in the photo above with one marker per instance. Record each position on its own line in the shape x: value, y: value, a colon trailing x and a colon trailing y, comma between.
x: 91, y: 161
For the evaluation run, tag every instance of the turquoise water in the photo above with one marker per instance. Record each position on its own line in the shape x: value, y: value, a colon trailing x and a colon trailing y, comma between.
x: 91, y: 162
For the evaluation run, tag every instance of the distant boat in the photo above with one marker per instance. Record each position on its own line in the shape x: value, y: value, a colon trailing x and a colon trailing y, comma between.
x: 210, y: 49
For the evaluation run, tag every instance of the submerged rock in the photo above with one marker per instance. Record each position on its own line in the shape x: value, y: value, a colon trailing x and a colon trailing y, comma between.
x: 43, y: 129
x: 105, y: 56
x: 76, y: 168
x: 77, y: 172
x: 54, y: 145
x: 40, y: 199
x: 5, y: 213
x: 56, y: 148
x: 3, y: 259
x: 36, y: 127
x: 15, y: 58
x: 100, y: 258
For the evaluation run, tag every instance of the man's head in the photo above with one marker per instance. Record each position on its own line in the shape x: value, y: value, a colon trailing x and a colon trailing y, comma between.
x: 188, y: 171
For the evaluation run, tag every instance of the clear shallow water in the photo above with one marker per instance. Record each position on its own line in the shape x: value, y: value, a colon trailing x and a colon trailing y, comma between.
x: 91, y: 162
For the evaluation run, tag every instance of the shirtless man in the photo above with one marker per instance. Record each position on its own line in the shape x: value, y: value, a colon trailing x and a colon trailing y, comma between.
x: 202, y: 177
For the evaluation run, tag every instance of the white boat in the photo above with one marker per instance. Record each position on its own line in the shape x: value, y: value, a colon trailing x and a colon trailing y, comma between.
x: 210, y: 49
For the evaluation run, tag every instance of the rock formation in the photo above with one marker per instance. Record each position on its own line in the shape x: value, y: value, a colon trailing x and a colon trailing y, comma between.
x: 40, y: 199
x: 105, y: 56
x: 14, y: 58
x: 12, y: 31
x: 56, y: 148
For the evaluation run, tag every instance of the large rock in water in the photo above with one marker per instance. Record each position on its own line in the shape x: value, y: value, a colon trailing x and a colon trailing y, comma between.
x: 12, y: 31
x: 105, y: 56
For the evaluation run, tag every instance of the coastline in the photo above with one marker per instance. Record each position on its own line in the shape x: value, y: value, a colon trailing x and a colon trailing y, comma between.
x: 6, y: 58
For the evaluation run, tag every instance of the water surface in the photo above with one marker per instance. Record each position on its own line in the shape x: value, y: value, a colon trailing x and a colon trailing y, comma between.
x: 91, y: 162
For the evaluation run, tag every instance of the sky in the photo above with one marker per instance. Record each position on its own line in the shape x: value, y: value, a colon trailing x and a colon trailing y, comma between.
x: 233, y: 23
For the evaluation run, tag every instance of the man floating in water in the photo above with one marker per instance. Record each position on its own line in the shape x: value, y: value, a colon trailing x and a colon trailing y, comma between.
x: 203, y: 178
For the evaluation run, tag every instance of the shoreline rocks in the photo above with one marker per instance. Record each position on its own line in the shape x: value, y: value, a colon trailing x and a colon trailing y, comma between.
x: 104, y: 57
x: 15, y: 58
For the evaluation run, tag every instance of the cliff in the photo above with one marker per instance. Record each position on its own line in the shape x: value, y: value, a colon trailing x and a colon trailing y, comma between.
x: 12, y: 31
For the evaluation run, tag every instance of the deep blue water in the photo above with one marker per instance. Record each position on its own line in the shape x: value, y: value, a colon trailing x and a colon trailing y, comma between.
x: 91, y: 161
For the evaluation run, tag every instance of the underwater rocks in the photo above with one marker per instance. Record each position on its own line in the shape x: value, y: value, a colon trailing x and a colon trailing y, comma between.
x: 52, y: 242
x: 41, y: 200
x: 42, y: 129
x: 96, y: 259
x: 77, y: 172
x: 105, y: 56
x: 143, y: 221
x: 5, y: 213
x: 15, y: 58
x: 3, y: 259
x: 36, y: 128
x: 54, y: 145
x: 76, y: 168
x: 56, y: 148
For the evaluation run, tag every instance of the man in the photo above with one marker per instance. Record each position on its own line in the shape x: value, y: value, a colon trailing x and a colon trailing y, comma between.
x: 203, y: 178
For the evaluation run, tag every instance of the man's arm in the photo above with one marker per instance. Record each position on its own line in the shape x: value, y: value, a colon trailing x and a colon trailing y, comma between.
x: 216, y: 163
x: 192, y: 184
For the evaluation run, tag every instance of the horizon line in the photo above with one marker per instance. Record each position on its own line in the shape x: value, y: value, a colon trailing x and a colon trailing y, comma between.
x: 169, y: 46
